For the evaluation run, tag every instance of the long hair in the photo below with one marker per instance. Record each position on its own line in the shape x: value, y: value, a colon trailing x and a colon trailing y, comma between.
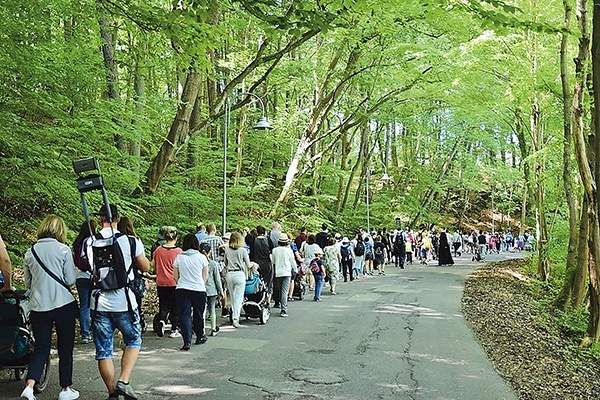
x: 52, y: 227
x: 190, y: 241
x: 125, y: 225
x: 236, y: 241
x: 84, y: 232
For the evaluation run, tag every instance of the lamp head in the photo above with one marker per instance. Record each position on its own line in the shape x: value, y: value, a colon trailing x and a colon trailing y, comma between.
x: 262, y: 124
x: 385, y: 177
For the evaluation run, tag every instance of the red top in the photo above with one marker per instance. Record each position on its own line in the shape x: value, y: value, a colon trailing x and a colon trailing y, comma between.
x: 163, y: 264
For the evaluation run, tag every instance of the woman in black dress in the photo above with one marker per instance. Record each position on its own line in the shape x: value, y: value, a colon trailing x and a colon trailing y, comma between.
x: 444, y: 256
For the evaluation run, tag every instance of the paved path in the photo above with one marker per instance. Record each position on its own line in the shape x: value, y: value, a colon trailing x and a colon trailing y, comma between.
x: 401, y: 336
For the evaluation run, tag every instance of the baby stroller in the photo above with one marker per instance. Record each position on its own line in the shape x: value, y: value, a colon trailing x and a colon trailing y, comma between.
x: 300, y: 283
x: 256, y: 300
x: 16, y: 337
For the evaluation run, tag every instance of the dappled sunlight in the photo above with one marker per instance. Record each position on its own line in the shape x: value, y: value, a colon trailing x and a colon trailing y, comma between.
x: 435, y: 359
x: 406, y: 309
x: 171, y: 390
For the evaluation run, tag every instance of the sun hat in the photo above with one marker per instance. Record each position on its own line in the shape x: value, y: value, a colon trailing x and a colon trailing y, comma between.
x: 345, y: 240
x: 283, y: 239
x: 318, y: 252
x: 227, y: 235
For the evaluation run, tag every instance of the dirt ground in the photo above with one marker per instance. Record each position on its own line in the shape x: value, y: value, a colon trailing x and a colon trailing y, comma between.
x: 525, y: 344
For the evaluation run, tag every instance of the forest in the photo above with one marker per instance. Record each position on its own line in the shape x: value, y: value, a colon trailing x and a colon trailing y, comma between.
x: 459, y: 114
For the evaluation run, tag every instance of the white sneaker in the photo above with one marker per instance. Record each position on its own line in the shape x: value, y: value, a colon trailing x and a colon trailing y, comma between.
x: 69, y: 394
x: 175, y: 334
x: 27, y: 393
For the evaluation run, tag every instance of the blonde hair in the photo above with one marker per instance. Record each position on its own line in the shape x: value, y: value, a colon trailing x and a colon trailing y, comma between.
x: 170, y: 233
x: 236, y: 241
x: 52, y: 227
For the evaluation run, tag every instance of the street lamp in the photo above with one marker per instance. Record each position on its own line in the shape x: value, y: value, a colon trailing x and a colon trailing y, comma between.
x: 262, y: 124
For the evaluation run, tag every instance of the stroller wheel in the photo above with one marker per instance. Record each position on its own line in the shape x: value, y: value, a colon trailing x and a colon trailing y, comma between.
x: 20, y: 374
x: 41, y: 385
x: 264, y: 315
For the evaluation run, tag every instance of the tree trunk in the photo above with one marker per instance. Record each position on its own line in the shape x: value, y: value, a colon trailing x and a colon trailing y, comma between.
x: 178, y: 133
x: 587, y: 163
x: 112, y: 81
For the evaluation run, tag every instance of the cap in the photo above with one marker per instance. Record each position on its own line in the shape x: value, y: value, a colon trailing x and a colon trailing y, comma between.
x: 205, y: 247
x: 113, y: 211
x: 227, y: 235
x: 283, y: 238
x: 345, y: 240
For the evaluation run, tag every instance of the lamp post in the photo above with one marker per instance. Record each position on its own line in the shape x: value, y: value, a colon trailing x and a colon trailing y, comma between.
x: 368, y: 201
x: 262, y: 124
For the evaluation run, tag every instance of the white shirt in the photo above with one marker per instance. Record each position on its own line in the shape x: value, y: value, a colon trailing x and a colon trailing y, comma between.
x: 115, y: 300
x: 283, y: 260
x: 190, y: 265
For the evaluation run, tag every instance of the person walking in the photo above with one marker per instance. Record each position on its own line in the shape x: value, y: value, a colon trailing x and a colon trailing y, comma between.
x: 83, y: 276
x: 308, y: 251
x: 445, y: 255
x: 49, y: 274
x: 331, y: 263
x: 162, y: 261
x: 125, y: 225
x: 262, y: 256
x: 116, y: 310
x: 191, y: 273
x: 284, y: 263
x: 236, y: 265
x: 316, y: 267
x: 214, y: 289
x: 347, y: 255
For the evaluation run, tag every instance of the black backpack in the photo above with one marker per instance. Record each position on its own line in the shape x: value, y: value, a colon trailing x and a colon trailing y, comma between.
x: 378, y: 251
x: 360, y: 249
x: 345, y: 251
x: 109, y: 271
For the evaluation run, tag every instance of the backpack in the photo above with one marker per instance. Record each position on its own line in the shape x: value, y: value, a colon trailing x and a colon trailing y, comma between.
x: 80, y: 258
x: 315, y: 268
x: 345, y: 251
x: 360, y: 249
x: 378, y: 251
x: 109, y: 272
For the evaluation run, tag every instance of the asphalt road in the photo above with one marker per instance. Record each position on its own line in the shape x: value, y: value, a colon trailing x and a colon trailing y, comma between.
x: 399, y: 336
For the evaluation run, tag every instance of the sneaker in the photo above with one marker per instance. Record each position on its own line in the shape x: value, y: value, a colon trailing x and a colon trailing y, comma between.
x: 161, y: 329
x: 333, y: 292
x: 27, y: 393
x: 383, y: 273
x: 225, y: 313
x: 236, y: 324
x: 125, y: 390
x: 283, y: 314
x: 213, y: 332
x: 201, y: 340
x: 186, y: 346
x: 69, y: 394
x: 175, y: 334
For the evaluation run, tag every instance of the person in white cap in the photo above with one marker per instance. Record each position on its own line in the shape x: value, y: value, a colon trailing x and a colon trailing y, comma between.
x: 284, y: 262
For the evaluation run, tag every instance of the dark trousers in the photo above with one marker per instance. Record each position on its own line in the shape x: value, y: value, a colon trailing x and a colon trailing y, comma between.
x: 41, y: 324
x: 167, y: 305
x: 347, y: 269
x: 266, y: 273
x: 191, y: 302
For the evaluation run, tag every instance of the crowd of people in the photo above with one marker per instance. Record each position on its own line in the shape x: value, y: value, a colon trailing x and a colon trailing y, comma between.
x: 207, y: 272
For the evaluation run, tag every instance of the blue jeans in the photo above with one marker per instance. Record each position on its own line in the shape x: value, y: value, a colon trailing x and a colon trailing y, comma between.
x: 41, y: 324
x: 83, y: 289
x: 191, y: 301
x: 318, y: 285
x: 104, y: 325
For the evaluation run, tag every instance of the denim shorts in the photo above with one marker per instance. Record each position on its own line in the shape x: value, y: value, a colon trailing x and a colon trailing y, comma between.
x: 104, y: 326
